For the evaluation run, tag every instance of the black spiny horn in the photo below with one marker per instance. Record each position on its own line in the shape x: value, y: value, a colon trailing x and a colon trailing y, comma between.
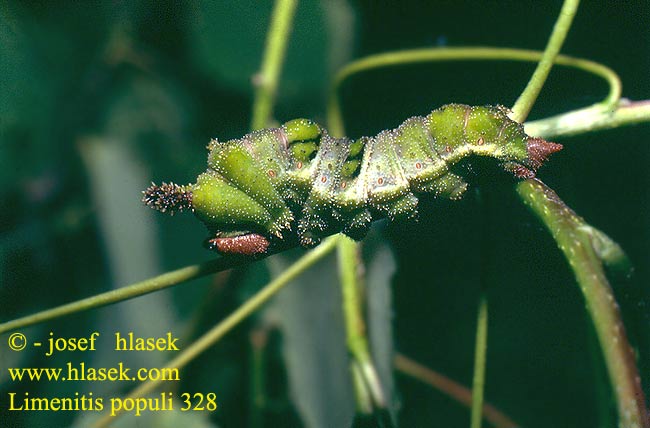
x: 168, y: 197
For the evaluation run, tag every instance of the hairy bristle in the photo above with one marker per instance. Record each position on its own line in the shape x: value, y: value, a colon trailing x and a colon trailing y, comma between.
x: 168, y: 197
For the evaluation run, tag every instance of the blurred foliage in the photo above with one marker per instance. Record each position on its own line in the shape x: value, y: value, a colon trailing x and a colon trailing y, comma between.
x: 98, y: 99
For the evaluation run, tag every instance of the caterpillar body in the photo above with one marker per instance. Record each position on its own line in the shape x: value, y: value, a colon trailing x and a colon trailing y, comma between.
x: 276, y: 185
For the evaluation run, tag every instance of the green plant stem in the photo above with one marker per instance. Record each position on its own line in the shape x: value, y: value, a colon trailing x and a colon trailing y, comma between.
x: 451, y: 388
x: 266, y: 80
x: 480, y: 351
x: 581, y: 245
x: 480, y: 344
x: 147, y: 286
x: 257, y: 400
x: 251, y: 305
x: 357, y: 342
x: 365, y: 380
x: 362, y: 397
x: 414, y: 56
x: 525, y: 102
x: 589, y: 119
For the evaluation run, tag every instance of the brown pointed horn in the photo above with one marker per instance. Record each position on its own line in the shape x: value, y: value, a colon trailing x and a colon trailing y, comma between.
x: 539, y: 149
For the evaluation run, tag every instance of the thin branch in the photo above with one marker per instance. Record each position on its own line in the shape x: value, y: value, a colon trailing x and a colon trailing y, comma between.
x: 527, y: 99
x: 266, y: 80
x: 367, y: 386
x: 480, y: 351
x: 481, y: 338
x: 590, y: 119
x: 355, y: 328
x: 258, y: 340
x: 217, y: 332
x: 414, y: 56
x: 147, y: 286
x: 582, y: 246
x: 451, y: 388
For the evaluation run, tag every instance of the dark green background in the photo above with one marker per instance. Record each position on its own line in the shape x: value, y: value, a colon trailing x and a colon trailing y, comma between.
x: 162, y: 79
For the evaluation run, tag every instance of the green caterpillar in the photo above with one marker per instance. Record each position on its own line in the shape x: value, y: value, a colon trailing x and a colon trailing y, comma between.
x: 277, y: 185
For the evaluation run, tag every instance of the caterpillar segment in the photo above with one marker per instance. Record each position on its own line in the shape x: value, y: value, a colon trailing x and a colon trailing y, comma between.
x: 296, y: 182
x: 253, y: 165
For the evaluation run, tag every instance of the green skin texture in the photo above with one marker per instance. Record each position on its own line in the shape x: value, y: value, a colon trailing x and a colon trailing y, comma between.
x: 297, y: 179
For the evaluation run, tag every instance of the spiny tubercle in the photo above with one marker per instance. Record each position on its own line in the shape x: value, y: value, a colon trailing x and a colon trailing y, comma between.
x: 168, y: 197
